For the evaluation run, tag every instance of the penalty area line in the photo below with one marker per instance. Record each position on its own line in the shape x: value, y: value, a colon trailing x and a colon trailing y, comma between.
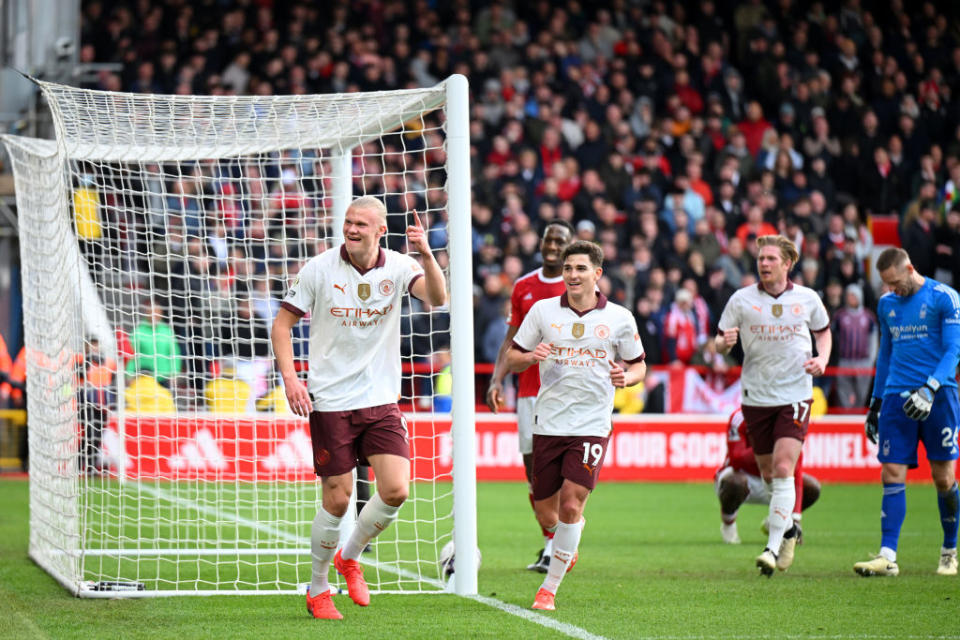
x: 566, y: 629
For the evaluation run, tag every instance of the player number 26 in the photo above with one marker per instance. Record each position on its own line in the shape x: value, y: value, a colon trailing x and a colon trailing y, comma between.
x: 595, y: 450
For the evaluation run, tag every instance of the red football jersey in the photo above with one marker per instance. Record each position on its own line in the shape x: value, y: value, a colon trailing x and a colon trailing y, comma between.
x: 527, y: 290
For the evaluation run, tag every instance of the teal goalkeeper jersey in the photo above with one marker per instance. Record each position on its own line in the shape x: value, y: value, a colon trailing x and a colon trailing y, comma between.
x: 919, y: 339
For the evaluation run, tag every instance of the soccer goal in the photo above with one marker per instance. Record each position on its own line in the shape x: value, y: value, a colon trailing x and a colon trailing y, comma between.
x: 158, y: 236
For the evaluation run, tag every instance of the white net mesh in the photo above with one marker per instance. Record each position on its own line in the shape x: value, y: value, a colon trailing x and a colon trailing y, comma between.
x: 159, y: 235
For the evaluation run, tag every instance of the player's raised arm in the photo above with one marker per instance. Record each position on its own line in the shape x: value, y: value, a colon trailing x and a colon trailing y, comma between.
x: 432, y: 288
x: 296, y: 392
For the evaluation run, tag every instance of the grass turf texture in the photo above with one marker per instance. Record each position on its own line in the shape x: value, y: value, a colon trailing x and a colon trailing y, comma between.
x: 652, y: 565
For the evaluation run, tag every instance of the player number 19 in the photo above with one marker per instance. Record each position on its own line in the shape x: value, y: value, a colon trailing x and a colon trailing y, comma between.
x: 595, y: 450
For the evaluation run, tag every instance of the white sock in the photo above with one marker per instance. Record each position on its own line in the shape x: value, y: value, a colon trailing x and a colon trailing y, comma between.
x: 324, y: 538
x: 565, y: 544
x: 547, y: 546
x: 889, y: 554
x: 376, y: 516
x: 782, y: 498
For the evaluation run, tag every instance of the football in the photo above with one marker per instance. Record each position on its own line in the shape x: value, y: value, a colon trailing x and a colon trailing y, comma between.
x: 447, y: 559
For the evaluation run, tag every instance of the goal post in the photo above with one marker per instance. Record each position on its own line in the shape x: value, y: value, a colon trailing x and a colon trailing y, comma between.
x: 158, y: 235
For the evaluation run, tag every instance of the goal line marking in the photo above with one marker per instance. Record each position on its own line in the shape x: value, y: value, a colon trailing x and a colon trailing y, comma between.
x: 566, y: 629
x: 569, y: 630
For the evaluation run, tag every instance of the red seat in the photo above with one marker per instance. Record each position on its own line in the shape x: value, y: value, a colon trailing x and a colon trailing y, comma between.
x: 885, y: 230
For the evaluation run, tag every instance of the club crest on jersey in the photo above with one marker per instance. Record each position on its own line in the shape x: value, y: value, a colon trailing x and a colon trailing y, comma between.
x: 602, y: 331
x: 777, y: 310
x: 363, y: 291
x: 577, y: 330
x: 385, y: 287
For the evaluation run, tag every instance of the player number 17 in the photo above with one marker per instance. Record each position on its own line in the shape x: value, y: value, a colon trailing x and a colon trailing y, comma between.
x: 595, y: 450
x: 800, y: 410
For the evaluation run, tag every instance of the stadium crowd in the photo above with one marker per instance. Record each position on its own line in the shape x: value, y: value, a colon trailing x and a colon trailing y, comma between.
x: 671, y: 133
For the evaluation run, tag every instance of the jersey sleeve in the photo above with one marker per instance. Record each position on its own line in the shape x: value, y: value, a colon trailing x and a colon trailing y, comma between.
x: 883, y: 353
x: 302, y: 293
x: 949, y: 306
x: 819, y: 318
x: 516, y: 314
x: 730, y: 318
x: 529, y: 335
x: 410, y: 270
x: 629, y: 347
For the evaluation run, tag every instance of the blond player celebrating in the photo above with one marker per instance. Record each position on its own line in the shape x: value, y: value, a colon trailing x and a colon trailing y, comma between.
x: 353, y: 294
x: 576, y: 340
x: 773, y: 320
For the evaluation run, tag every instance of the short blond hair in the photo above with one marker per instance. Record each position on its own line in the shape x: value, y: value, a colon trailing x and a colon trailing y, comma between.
x: 370, y: 203
x: 788, y: 250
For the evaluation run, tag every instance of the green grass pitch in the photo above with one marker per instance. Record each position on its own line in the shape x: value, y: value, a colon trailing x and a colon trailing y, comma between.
x: 652, y: 565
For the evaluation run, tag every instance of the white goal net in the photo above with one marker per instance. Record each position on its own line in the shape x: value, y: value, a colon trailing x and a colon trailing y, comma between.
x: 158, y: 236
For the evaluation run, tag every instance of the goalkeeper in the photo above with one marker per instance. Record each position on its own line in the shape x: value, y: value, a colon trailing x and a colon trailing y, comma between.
x: 353, y: 293
x: 914, y: 399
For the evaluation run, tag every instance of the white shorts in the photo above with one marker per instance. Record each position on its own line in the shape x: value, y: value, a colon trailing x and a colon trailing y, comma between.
x: 525, y: 424
x: 758, y: 491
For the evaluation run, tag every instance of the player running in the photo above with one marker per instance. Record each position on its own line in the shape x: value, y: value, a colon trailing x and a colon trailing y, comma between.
x: 576, y: 339
x: 773, y: 320
x: 542, y: 283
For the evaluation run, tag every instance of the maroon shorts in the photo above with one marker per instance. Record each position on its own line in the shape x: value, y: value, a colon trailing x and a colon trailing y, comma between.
x: 766, y: 425
x: 342, y: 439
x: 574, y: 458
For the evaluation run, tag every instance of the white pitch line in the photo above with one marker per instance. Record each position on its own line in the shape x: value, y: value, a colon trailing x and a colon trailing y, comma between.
x: 280, y: 533
x: 537, y: 618
x: 531, y: 616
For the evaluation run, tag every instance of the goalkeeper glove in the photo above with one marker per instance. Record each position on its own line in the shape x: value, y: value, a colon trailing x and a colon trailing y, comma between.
x: 873, y: 420
x: 920, y: 401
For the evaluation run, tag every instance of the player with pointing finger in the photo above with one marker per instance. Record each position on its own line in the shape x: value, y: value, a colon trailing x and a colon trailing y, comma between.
x: 353, y: 293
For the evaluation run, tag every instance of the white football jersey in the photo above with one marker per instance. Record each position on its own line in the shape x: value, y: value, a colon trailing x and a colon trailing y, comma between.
x: 775, y: 334
x: 354, y: 327
x: 576, y: 394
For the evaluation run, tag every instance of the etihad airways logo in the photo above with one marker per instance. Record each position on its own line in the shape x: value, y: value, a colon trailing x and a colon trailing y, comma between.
x: 777, y: 329
x: 577, y: 352
x: 359, y: 312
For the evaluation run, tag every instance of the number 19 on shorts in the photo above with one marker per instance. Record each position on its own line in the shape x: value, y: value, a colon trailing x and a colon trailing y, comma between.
x: 592, y: 450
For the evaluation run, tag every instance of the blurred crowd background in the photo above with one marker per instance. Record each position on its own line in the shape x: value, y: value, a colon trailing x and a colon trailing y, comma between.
x: 671, y: 133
